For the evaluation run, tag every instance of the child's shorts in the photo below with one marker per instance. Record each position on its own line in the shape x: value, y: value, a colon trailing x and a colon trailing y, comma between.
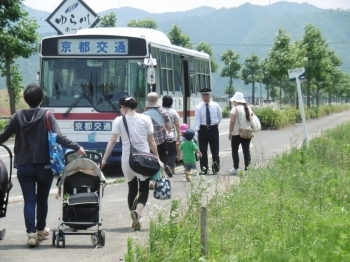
x: 190, y: 166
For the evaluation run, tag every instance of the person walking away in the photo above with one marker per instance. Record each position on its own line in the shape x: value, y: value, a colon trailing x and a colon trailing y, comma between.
x: 189, y: 150
x: 240, y: 116
x: 161, y: 124
x: 175, y: 124
x: 32, y: 160
x: 141, y: 136
x: 207, y: 119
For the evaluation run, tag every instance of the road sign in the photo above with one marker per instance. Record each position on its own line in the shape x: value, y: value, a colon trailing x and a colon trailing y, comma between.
x: 71, y: 16
x: 297, y: 72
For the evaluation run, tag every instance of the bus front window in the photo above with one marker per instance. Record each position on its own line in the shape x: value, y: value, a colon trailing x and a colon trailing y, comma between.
x: 97, y: 83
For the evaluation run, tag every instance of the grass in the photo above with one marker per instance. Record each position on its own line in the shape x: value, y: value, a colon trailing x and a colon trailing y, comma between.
x: 294, y: 208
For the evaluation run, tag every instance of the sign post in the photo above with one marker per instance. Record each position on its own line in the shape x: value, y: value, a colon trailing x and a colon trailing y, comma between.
x: 71, y: 16
x: 297, y: 74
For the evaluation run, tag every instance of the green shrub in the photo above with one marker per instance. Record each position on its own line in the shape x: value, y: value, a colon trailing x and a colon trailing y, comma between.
x: 3, y: 123
x: 225, y: 113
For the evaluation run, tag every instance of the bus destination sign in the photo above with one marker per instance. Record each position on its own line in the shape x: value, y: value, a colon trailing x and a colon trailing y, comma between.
x: 93, y: 46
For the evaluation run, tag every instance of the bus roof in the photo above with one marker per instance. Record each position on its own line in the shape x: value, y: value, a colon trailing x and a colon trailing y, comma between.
x: 149, y: 34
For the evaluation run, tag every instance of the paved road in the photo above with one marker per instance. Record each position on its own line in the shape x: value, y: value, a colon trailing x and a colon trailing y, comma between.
x: 116, y: 221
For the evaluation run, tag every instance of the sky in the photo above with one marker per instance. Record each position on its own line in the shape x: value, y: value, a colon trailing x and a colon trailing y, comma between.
x: 161, y: 6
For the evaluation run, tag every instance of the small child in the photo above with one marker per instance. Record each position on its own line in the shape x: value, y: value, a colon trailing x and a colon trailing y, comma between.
x: 189, y: 148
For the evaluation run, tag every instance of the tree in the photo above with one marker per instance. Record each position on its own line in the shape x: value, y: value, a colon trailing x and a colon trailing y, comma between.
x: 144, y: 23
x: 18, y: 38
x: 178, y: 38
x: 251, y: 73
x: 315, y: 52
x: 206, y: 48
x: 16, y: 81
x: 109, y: 20
x: 230, y: 70
x: 280, y: 57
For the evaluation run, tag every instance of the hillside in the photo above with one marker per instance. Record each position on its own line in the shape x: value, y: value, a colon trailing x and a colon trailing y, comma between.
x: 246, y: 29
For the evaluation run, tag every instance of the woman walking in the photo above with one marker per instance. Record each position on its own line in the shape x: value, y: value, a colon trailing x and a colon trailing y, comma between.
x: 32, y: 160
x: 240, y: 116
x: 141, y: 136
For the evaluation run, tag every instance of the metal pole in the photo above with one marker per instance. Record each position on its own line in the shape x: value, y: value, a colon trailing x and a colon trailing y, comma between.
x: 302, y: 112
x: 204, y: 236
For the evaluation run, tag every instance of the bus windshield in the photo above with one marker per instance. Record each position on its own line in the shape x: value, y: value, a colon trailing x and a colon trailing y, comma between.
x: 97, y: 83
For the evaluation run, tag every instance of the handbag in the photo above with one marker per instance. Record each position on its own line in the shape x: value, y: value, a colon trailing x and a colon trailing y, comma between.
x: 162, y: 188
x: 144, y: 163
x: 55, y: 149
x: 245, y: 133
x: 256, y: 125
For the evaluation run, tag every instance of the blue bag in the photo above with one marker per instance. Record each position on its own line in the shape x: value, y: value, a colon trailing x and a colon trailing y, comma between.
x: 55, y: 149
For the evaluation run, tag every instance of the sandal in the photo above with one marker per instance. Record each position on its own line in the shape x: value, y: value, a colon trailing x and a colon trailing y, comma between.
x: 43, y: 233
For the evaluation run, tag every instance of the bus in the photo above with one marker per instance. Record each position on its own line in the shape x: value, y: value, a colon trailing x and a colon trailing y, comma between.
x: 84, y: 75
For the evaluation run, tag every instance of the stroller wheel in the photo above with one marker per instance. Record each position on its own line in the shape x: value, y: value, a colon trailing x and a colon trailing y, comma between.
x: 53, y: 237
x: 60, y: 237
x: 2, y: 233
x: 102, y: 238
x: 95, y: 239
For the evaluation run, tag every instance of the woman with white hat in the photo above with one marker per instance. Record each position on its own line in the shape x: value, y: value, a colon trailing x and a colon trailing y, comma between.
x: 240, y: 116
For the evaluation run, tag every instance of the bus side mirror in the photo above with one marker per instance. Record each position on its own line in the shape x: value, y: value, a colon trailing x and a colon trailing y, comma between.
x: 151, y: 75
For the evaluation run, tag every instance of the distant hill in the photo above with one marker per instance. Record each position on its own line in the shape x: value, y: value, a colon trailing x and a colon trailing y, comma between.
x: 246, y: 29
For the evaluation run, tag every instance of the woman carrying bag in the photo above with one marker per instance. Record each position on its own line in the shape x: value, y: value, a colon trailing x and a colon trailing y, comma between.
x: 32, y: 160
x: 141, y: 136
x: 240, y: 117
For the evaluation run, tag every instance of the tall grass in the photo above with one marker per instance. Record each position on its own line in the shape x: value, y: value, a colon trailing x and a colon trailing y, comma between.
x: 295, y: 208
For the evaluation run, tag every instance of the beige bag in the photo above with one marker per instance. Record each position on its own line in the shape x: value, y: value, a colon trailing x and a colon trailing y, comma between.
x: 246, y: 133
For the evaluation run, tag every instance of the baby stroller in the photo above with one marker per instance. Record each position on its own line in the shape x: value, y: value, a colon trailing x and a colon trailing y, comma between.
x: 5, y: 187
x: 81, y: 200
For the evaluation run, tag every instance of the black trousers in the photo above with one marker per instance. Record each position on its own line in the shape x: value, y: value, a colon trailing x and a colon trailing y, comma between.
x: 235, y: 142
x: 211, y: 136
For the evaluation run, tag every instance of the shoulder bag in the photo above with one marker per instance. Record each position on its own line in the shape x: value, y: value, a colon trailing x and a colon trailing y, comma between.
x: 144, y: 163
x: 245, y: 133
x: 256, y: 125
x: 162, y: 188
x: 55, y: 149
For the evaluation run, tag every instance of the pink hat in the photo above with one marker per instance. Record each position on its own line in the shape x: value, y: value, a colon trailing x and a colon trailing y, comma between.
x: 183, y: 128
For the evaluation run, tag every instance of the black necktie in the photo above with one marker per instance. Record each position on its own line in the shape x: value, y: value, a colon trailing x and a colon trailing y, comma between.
x: 208, y: 115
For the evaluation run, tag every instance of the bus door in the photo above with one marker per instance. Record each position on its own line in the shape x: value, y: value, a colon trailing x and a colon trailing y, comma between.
x: 186, y: 92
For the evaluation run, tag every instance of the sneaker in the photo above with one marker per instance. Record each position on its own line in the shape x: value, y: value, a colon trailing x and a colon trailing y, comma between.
x: 43, y: 233
x: 33, y: 240
x: 136, y: 225
x: 188, y: 176
x: 173, y: 170
x: 234, y: 171
x: 168, y: 171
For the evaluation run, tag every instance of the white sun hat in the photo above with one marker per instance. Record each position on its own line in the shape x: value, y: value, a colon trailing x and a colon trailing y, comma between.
x: 238, y: 97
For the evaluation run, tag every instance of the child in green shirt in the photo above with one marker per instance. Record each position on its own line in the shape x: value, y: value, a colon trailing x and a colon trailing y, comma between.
x: 189, y: 148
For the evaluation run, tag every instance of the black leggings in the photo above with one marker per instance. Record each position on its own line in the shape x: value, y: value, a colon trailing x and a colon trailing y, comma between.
x: 137, y: 187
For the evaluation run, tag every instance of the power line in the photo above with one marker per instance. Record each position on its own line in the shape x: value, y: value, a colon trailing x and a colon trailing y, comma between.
x: 234, y: 44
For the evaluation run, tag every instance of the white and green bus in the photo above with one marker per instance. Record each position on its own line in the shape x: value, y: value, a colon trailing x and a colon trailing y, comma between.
x: 84, y: 75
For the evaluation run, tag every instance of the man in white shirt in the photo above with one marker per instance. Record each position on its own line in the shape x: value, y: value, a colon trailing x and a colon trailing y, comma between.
x: 207, y: 119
